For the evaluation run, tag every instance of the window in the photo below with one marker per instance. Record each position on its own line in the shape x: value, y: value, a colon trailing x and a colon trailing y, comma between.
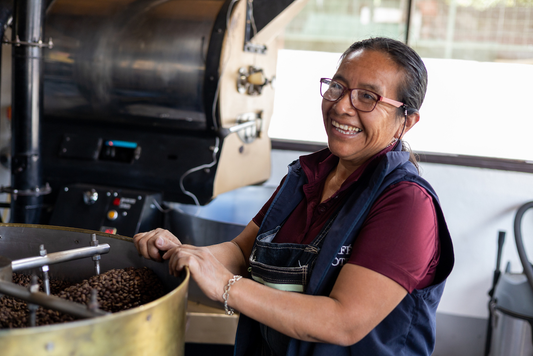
x: 477, y: 52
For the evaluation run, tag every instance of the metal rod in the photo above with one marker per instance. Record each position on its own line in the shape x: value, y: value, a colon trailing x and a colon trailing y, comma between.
x: 27, y: 104
x: 93, y: 300
x: 45, y: 269
x: 33, y: 288
x: 96, y: 258
x: 49, y: 301
x: 57, y: 257
x: 408, y: 21
x: 242, y: 126
x: 450, y: 29
x: 96, y: 264
x: 46, y: 279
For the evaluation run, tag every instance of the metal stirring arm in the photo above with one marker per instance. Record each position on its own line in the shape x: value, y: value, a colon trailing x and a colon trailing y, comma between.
x: 58, y: 257
x: 49, y: 301
x: 33, y: 297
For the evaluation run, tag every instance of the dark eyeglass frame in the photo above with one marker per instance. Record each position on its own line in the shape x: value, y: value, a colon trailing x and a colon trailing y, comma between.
x: 392, y: 102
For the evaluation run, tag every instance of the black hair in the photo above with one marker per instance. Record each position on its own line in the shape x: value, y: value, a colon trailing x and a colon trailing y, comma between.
x: 412, y: 90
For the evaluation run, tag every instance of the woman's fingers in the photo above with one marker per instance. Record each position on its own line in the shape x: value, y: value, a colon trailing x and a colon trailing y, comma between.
x: 180, y: 257
x: 206, y: 270
x: 140, y: 241
x: 150, y: 243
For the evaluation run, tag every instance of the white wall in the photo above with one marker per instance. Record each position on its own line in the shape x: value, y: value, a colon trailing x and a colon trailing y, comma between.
x: 478, y: 203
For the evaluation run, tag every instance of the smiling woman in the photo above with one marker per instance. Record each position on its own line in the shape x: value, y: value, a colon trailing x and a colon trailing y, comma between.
x: 360, y: 201
x: 368, y: 131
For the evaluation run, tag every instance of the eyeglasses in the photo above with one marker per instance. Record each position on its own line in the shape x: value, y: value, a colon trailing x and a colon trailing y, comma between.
x: 361, y: 99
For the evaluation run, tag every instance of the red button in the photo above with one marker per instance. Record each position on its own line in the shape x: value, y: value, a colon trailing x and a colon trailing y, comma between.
x: 116, y: 201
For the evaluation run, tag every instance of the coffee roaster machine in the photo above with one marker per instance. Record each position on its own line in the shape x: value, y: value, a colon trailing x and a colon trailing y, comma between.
x: 120, y: 102
x: 147, y: 101
x: 122, y: 109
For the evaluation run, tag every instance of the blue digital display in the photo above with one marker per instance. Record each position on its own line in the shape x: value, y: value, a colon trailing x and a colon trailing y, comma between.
x: 124, y: 144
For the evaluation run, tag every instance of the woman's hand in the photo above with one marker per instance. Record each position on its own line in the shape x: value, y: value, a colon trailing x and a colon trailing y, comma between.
x: 210, y: 275
x: 150, y: 243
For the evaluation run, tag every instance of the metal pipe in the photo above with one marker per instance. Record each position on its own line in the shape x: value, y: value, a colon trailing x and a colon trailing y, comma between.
x: 57, y: 257
x: 96, y: 258
x: 408, y: 21
x: 49, y: 301
x: 450, y: 29
x: 93, y: 300
x: 27, y: 103
x: 6, y: 13
x: 242, y: 126
x: 33, y: 288
x: 46, y: 279
x: 45, y: 269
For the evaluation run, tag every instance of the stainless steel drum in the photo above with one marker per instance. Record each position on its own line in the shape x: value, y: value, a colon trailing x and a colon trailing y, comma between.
x: 156, y: 328
x: 130, y: 58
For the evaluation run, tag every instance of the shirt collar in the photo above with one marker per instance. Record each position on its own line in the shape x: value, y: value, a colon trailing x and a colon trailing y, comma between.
x: 318, y: 165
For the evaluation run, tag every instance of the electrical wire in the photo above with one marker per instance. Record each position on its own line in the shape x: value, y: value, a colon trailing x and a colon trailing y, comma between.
x: 224, y: 62
x: 252, y: 18
x: 160, y: 208
x: 216, y: 147
x: 196, y: 169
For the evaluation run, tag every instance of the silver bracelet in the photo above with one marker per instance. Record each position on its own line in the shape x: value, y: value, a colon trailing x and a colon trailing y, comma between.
x: 225, y: 296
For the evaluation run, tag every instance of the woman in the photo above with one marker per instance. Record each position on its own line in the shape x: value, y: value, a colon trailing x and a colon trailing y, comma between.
x: 350, y: 254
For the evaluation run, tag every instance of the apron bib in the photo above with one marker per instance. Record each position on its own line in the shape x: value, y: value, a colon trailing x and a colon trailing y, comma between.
x: 283, y: 266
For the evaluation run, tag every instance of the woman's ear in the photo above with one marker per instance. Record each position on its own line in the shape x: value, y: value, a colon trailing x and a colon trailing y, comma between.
x: 410, y: 121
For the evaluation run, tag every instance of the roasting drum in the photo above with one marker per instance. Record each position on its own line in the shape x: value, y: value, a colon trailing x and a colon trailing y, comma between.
x: 156, y: 328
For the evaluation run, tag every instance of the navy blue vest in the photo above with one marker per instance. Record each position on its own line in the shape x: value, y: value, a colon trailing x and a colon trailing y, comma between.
x: 410, y: 328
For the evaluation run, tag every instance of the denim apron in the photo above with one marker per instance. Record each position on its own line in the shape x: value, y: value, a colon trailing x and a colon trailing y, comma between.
x: 410, y: 328
x: 283, y: 266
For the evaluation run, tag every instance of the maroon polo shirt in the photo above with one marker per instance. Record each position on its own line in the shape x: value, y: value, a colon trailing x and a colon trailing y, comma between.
x: 399, y: 237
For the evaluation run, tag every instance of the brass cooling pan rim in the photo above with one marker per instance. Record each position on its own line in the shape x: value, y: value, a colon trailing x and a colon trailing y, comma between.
x: 157, y: 327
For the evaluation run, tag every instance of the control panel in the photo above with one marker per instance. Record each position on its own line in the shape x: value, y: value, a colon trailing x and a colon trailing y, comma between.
x: 107, y: 209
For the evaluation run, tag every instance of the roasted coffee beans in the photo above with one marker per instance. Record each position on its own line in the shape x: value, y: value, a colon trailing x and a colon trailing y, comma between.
x: 117, y: 289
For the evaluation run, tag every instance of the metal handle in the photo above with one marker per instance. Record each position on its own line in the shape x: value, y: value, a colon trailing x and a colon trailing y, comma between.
x: 248, y: 128
x: 242, y: 126
x: 528, y: 270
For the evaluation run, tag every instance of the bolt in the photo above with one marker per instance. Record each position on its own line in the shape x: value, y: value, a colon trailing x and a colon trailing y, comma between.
x: 49, y: 346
